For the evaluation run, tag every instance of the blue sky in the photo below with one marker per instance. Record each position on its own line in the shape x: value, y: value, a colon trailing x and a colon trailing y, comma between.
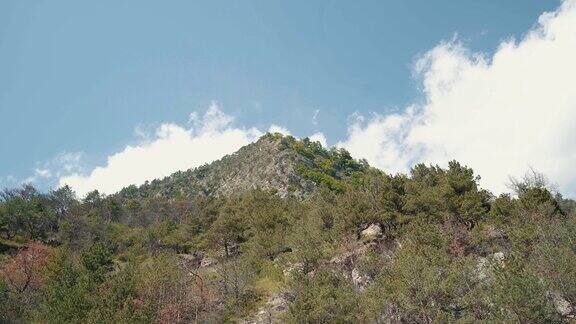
x: 80, y: 77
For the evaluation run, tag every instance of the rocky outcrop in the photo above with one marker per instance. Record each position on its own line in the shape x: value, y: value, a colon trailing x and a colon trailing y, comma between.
x: 290, y: 268
x: 207, y: 262
x: 196, y: 260
x: 562, y: 306
x: 371, y: 233
x: 273, y: 310
x: 483, y: 268
x: 359, y: 280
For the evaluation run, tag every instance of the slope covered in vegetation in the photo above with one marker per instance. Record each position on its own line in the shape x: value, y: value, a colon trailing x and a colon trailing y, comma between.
x: 349, y: 244
x: 281, y: 163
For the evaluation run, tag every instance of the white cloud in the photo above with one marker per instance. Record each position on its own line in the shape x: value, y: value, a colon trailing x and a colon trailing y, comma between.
x: 315, y: 117
x: 319, y: 137
x: 279, y: 129
x: 38, y: 174
x: 172, y: 148
x: 382, y: 141
x: 499, y: 115
x: 43, y: 173
x: 48, y: 172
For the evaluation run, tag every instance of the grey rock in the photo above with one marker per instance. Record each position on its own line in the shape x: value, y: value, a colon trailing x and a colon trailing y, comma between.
x: 484, y: 265
x: 207, y: 262
x: 371, y: 233
x: 291, y: 267
x: 360, y: 281
x: 273, y: 310
x: 562, y: 306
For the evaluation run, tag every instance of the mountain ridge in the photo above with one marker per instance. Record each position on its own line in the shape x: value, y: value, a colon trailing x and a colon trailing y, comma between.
x: 291, y: 167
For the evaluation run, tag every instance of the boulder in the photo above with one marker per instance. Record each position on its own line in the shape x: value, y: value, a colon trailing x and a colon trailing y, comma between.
x: 495, y: 233
x: 562, y: 306
x: 484, y: 266
x: 196, y: 260
x: 273, y: 310
x: 207, y: 262
x: 291, y: 267
x: 498, y: 257
x: 190, y: 260
x: 371, y: 233
x: 360, y: 281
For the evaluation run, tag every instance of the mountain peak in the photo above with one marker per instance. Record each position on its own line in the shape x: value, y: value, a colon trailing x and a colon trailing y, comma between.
x: 291, y: 167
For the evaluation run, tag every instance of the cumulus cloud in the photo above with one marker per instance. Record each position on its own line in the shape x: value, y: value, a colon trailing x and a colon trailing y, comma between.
x: 319, y: 137
x: 500, y: 114
x: 279, y: 129
x: 170, y: 149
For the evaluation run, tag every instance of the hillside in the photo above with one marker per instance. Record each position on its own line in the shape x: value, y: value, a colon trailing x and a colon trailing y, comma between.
x: 287, y: 231
x: 281, y: 163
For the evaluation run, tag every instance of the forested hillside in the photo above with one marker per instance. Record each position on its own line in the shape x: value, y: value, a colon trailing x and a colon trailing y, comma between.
x: 287, y: 231
x: 283, y: 164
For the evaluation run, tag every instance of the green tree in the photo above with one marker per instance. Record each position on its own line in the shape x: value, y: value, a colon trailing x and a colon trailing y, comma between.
x: 65, y: 298
x: 97, y: 260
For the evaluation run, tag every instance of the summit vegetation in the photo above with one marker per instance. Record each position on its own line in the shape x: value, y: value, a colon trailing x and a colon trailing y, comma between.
x: 285, y: 230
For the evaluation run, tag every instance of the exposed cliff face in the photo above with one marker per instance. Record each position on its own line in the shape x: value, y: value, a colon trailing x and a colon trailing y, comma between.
x: 274, y: 162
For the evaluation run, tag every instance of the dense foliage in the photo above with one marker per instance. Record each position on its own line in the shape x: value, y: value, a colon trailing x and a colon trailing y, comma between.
x: 444, y: 250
